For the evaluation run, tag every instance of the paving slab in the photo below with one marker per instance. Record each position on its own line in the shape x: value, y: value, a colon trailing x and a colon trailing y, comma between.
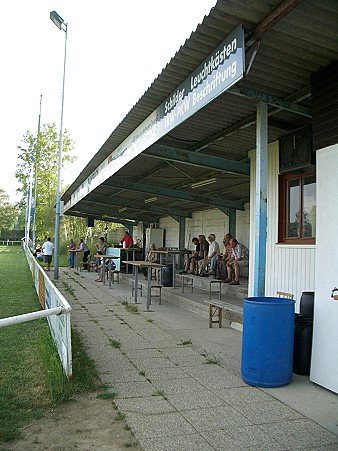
x: 147, y: 354
x: 154, y: 362
x: 173, y: 396
x: 134, y: 389
x: 149, y: 405
x: 159, y: 425
x: 267, y: 412
x: 186, y: 385
x: 215, y: 418
x: 165, y: 373
x: 191, y: 442
x: 300, y: 434
x: 247, y: 438
x: 243, y: 395
x: 192, y: 401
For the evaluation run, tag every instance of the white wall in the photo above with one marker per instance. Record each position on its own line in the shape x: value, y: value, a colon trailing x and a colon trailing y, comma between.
x: 324, y: 366
x: 205, y: 222
x: 289, y: 268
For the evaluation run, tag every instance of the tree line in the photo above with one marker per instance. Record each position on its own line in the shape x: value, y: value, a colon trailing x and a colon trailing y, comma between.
x: 37, y: 163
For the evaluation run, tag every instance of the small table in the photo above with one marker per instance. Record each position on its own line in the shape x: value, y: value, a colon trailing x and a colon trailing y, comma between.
x: 76, y: 263
x: 143, y: 264
x: 128, y: 250
x: 106, y: 257
x: 173, y: 253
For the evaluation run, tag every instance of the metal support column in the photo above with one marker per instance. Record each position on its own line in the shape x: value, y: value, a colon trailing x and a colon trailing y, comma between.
x: 181, y: 240
x: 261, y: 199
x: 232, y: 222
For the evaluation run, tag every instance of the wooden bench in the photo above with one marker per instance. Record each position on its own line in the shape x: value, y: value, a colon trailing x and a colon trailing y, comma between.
x: 88, y: 265
x: 283, y: 294
x: 189, y: 279
x: 215, y: 311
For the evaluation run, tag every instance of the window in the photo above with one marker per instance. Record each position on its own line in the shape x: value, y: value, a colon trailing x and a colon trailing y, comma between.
x: 297, y: 208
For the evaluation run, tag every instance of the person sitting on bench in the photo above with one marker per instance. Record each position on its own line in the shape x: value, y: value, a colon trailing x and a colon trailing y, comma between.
x: 194, y: 256
x: 152, y: 256
x: 239, y: 258
x: 211, y: 258
x: 104, y: 266
x: 223, y: 258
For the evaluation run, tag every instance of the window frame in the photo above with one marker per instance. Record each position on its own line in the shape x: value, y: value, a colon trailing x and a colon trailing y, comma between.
x: 283, y: 183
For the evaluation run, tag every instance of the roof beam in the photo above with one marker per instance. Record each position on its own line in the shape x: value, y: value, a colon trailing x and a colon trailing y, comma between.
x: 271, y: 19
x: 135, y: 205
x: 271, y: 100
x: 248, y: 121
x: 106, y: 209
x: 198, y: 159
x: 176, y: 194
x: 115, y: 218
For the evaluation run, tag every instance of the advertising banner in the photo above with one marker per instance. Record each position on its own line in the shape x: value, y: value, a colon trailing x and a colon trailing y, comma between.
x: 59, y: 325
x: 217, y: 73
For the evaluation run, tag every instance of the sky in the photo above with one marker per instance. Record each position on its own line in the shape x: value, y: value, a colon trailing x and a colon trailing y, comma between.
x: 115, y: 50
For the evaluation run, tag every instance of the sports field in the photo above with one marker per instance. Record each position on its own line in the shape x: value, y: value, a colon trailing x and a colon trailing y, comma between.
x: 31, y: 376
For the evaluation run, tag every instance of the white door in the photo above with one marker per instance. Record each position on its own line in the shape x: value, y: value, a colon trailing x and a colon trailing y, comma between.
x: 324, y: 365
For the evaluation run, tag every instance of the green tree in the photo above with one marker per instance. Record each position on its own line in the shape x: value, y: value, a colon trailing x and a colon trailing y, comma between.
x: 8, y: 214
x: 39, y: 154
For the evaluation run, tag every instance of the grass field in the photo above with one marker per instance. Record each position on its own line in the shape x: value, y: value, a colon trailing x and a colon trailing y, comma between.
x: 31, y: 376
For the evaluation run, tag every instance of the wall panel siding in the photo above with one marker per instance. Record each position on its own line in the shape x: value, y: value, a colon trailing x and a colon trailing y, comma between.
x: 205, y: 222
x: 289, y: 268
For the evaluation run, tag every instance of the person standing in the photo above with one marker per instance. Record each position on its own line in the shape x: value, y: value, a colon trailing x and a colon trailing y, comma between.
x: 47, y: 250
x: 71, y: 249
x: 82, y: 247
x: 127, y: 240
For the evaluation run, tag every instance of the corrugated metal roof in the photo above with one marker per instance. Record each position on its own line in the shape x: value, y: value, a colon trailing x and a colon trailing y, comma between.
x: 302, y: 42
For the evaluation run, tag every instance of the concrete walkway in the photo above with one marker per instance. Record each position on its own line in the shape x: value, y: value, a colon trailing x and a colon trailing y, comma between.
x: 178, y: 382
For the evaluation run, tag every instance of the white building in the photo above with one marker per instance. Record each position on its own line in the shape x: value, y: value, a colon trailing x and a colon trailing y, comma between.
x: 239, y: 133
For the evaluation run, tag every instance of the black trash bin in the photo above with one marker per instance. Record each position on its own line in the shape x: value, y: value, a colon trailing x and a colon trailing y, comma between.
x: 306, y: 305
x: 302, y: 344
x: 167, y: 276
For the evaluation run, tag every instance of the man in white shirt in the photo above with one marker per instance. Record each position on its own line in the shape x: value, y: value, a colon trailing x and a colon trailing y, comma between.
x: 47, y: 250
x: 239, y: 258
x: 211, y: 258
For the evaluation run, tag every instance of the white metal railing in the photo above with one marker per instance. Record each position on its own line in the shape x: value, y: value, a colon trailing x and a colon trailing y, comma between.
x: 32, y: 316
x: 9, y: 242
x: 55, y: 308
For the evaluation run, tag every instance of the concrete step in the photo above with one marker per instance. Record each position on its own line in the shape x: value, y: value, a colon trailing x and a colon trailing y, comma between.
x: 239, y: 291
x: 232, y: 296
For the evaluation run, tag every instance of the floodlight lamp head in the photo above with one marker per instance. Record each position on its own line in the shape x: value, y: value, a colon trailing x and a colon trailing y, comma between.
x: 58, y: 21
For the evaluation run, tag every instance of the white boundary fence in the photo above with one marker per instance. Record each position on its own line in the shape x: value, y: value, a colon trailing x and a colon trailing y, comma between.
x: 55, y: 308
x: 9, y: 242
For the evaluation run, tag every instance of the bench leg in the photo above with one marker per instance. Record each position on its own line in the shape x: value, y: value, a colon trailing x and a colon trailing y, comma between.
x: 212, y: 313
x: 220, y: 317
x: 210, y: 316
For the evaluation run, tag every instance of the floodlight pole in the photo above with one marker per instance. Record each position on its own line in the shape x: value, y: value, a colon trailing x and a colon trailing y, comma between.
x: 59, y: 22
x: 37, y: 153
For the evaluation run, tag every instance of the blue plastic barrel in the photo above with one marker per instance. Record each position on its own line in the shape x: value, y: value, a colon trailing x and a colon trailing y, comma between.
x: 267, y: 345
